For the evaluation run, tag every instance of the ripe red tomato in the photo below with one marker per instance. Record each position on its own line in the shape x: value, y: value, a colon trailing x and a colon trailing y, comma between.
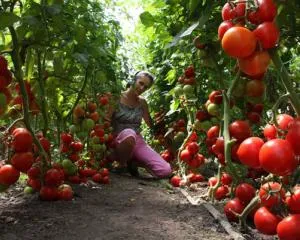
x: 197, y: 43
x: 97, y: 178
x: 254, y: 117
x: 270, y: 131
x: 34, y: 172
x: 175, y: 181
x: 92, y: 107
x: 34, y: 183
x: 239, y: 42
x: 74, y: 157
x: 78, y: 112
x: 105, y: 180
x: 267, y: 10
x: 8, y: 175
x: 277, y: 156
x: 22, y: 161
x: 53, y: 177
x: 22, y: 140
x: 265, y: 221
x: 284, y: 120
x: 3, y: 64
x: 258, y: 107
x: 293, y: 135
x: 48, y: 193
x: 288, y: 228
x: 74, y: 179
x: 94, y: 116
x: 66, y: 138
x: 255, y: 64
x: 240, y: 130
x: 202, y: 115
x: 196, y: 161
x: 271, y: 194
x: 196, y: 178
x: 248, y: 151
x: 226, y: 179
x: 65, y: 192
x: 267, y: 34
x: 245, y: 192
x: 185, y: 155
x: 189, y: 72
x: 192, y: 147
x: 213, y: 132
x: 232, y: 11
x: 45, y: 144
x: 3, y: 83
x: 293, y: 201
x: 221, y: 192
x: 231, y: 207
x: 215, y: 97
x: 189, y: 81
x: 212, y: 181
x: 76, y: 146
x: 255, y: 88
x: 104, y: 172
x: 223, y: 27
x: 234, y: 149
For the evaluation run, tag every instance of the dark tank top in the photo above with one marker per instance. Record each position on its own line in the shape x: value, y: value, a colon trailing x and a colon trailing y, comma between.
x: 127, y: 117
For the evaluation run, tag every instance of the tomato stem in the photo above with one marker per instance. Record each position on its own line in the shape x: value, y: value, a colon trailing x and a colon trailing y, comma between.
x: 19, y: 77
x: 42, y: 93
x: 295, y: 101
x: 252, y: 205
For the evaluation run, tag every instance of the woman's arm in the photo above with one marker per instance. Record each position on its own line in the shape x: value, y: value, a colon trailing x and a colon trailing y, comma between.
x: 146, y: 115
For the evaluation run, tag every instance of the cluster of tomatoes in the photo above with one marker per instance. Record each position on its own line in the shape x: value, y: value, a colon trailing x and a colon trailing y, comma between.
x: 277, y: 153
x: 18, y: 100
x: 185, y: 88
x: 191, y: 157
x: 249, y: 46
x: 5, y: 80
x: 247, y: 32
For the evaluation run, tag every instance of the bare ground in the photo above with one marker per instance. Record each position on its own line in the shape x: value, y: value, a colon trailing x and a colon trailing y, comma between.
x: 127, y: 208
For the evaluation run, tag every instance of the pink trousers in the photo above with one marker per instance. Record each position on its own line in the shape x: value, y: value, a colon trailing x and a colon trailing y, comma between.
x: 144, y: 155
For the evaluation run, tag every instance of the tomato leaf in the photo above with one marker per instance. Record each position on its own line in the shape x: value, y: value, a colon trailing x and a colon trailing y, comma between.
x: 7, y: 19
x: 171, y: 76
x: 147, y: 19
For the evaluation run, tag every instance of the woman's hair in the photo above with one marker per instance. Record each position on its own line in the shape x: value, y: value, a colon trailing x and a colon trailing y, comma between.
x: 139, y: 74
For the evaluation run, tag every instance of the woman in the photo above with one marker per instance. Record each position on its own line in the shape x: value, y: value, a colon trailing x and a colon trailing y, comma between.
x: 131, y: 149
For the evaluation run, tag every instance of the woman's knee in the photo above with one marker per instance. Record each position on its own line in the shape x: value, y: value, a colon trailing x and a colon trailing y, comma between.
x: 163, y: 171
x: 127, y: 143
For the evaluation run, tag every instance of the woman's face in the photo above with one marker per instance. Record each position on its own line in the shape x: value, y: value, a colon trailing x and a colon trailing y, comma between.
x: 142, y: 84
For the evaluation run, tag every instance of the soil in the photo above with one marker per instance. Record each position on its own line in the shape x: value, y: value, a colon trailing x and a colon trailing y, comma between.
x: 127, y: 208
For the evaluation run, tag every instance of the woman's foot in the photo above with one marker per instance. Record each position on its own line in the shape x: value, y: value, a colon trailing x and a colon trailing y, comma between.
x: 133, y: 169
x: 119, y: 170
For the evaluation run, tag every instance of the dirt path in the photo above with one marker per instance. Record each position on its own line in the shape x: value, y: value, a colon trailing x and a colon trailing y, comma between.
x: 127, y: 208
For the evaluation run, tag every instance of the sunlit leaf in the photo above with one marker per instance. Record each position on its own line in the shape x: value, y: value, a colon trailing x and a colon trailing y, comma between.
x: 171, y: 76
x: 147, y: 19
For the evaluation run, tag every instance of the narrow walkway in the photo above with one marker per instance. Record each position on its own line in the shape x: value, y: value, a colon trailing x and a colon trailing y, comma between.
x: 127, y: 208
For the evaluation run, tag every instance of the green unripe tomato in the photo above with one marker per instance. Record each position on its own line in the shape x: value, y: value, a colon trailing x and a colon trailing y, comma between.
x: 28, y: 190
x: 205, y: 125
x: 179, y: 137
x: 188, y: 90
x: 73, y: 129
x: 213, y: 109
x: 88, y: 124
x: 178, y: 91
x: 66, y: 163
